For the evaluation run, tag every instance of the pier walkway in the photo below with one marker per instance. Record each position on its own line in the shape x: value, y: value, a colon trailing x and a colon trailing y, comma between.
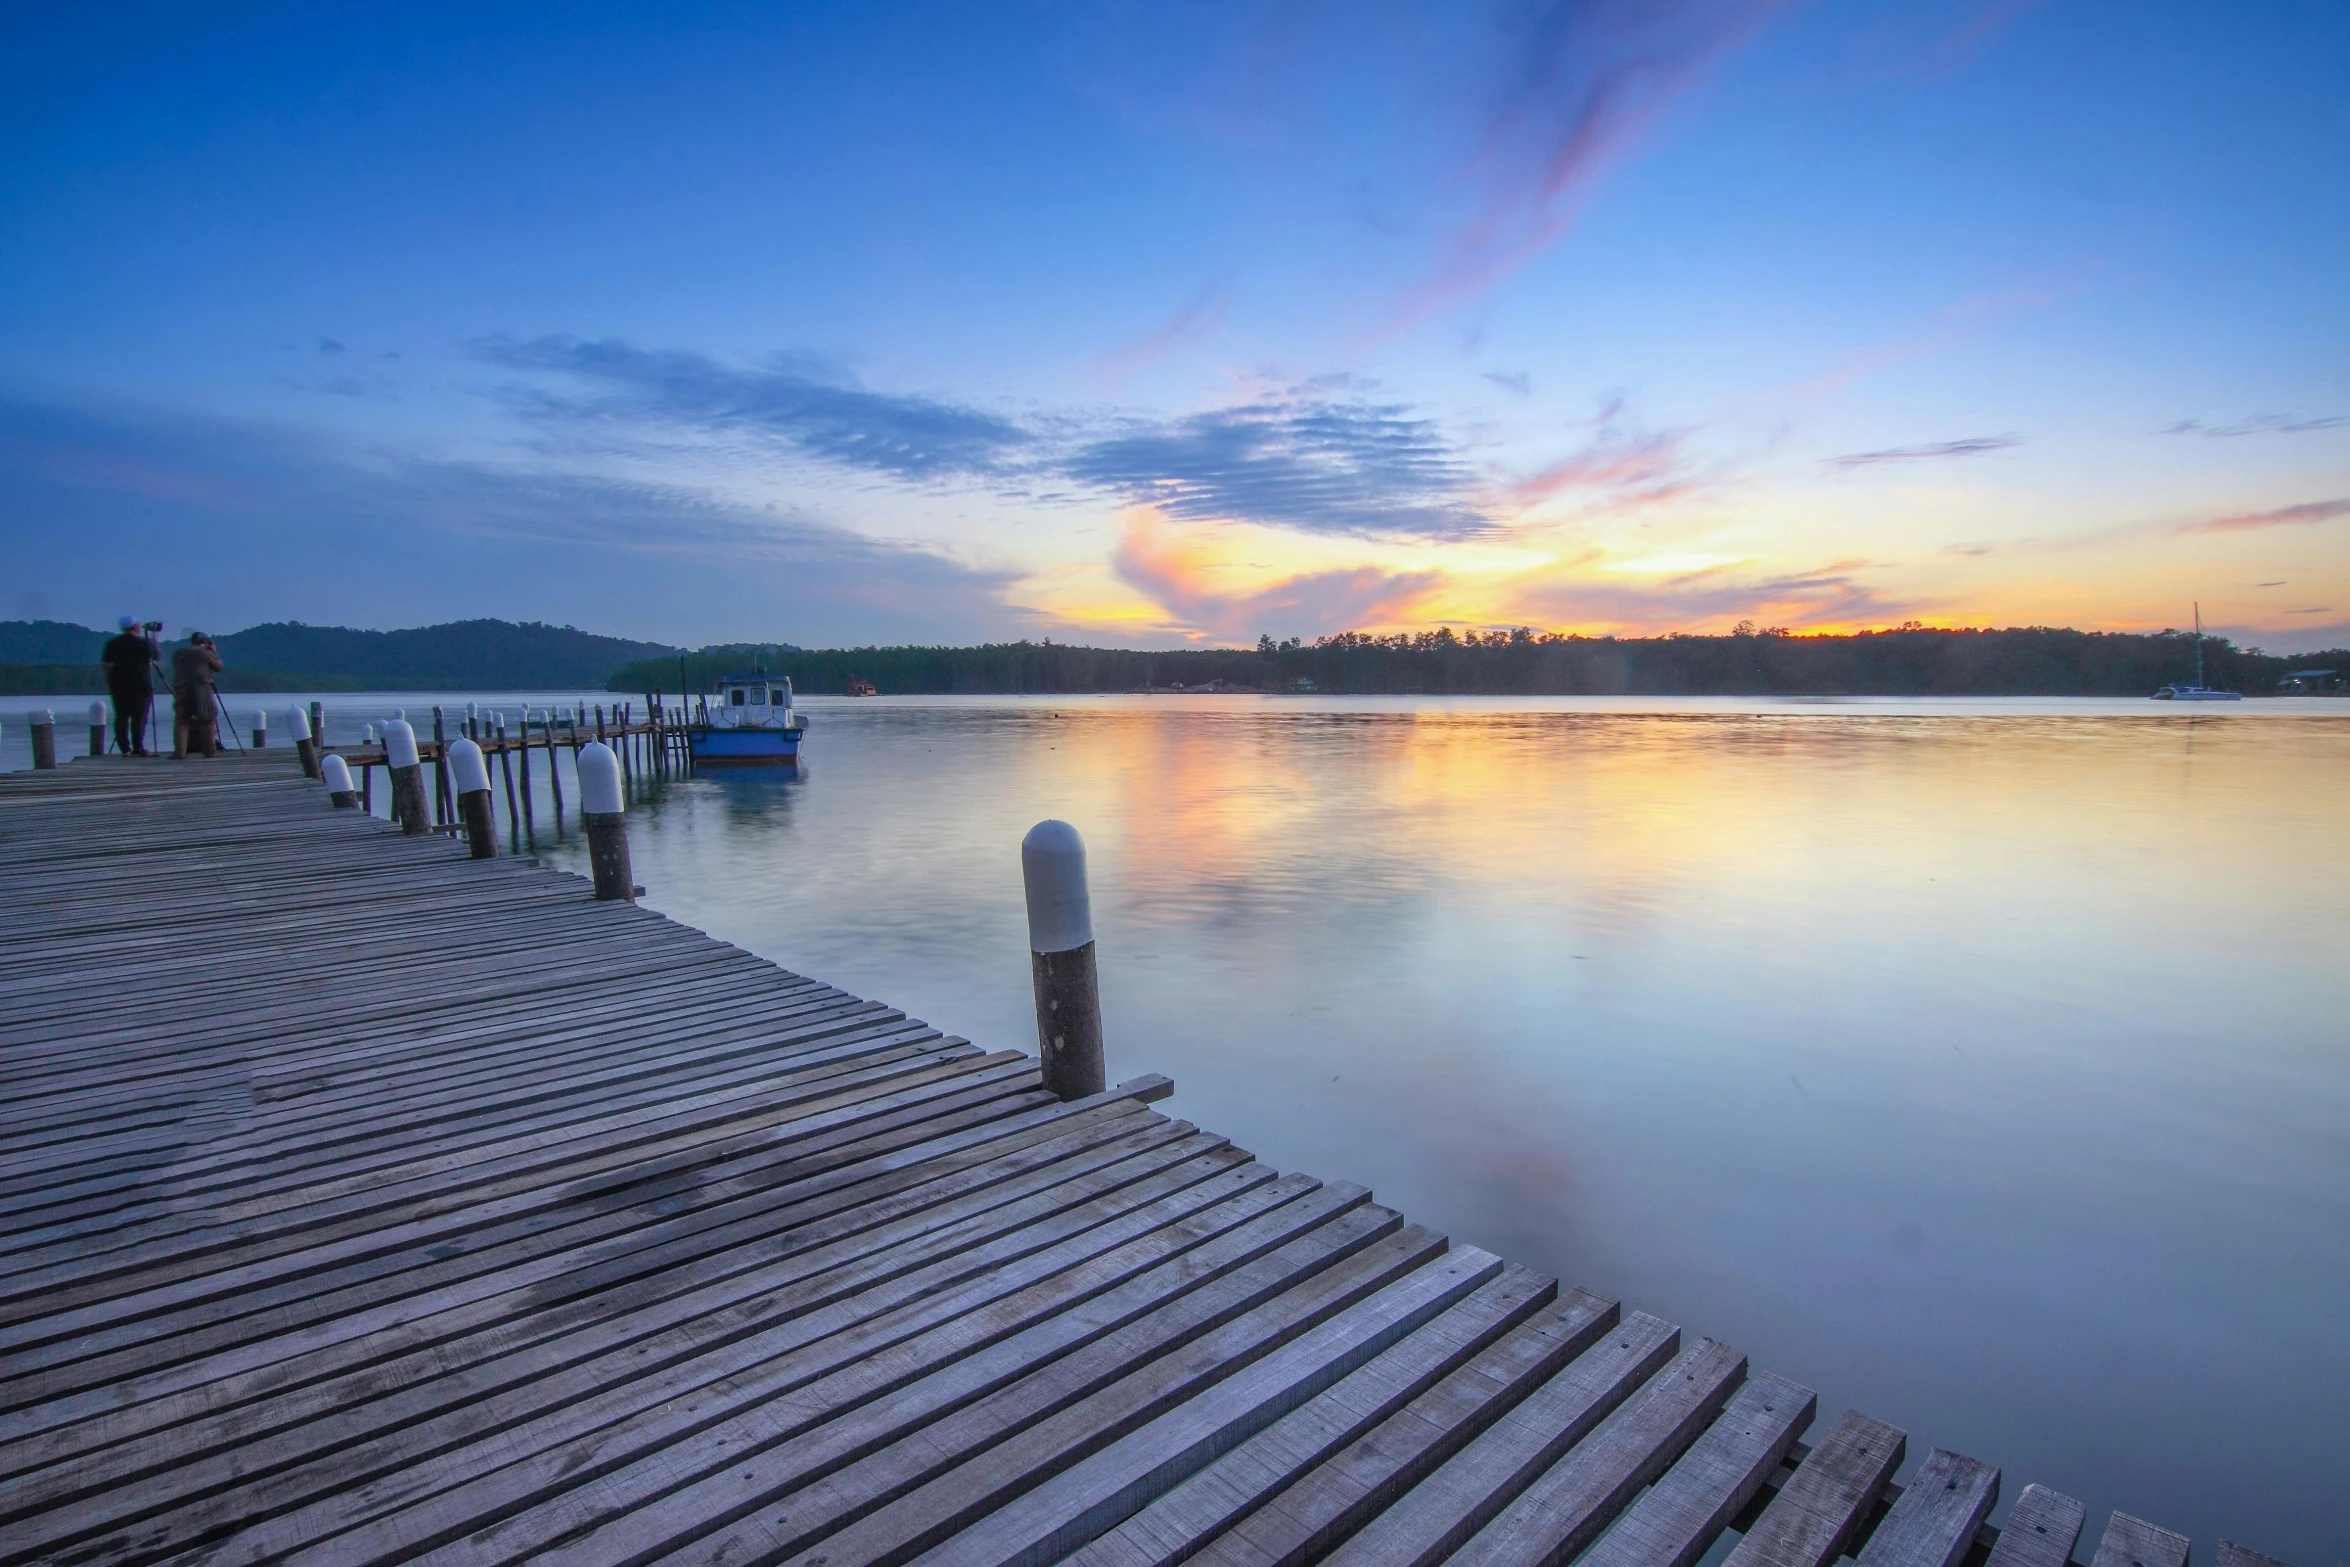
x: 362, y: 1202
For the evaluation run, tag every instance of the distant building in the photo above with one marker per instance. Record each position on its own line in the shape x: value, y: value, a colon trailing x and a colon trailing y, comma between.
x: 2311, y: 682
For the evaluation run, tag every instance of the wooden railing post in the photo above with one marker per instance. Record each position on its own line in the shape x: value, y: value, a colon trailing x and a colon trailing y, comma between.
x: 469, y: 777
x: 407, y: 770
x: 1061, y: 959
x: 602, y: 811
x: 337, y: 773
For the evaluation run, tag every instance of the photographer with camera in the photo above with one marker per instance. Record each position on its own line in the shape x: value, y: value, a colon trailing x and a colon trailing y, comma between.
x: 128, y: 658
x: 194, y: 720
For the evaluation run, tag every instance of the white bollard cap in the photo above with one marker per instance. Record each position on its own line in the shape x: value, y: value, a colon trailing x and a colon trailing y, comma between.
x: 599, y: 780
x: 42, y: 715
x: 97, y: 715
x: 260, y: 720
x: 368, y: 731
x: 468, y: 773
x: 1060, y: 913
x: 472, y: 710
x: 400, y: 713
x: 338, y: 775
x: 399, y: 744
x: 297, y: 723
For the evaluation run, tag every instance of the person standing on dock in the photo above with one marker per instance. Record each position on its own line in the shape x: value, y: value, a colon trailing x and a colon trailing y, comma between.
x: 193, y: 719
x: 129, y: 658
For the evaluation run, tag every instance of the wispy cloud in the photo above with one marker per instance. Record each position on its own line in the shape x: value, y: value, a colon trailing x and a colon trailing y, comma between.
x: 2282, y: 517
x: 1302, y: 460
x: 2257, y: 424
x: 793, y: 404
x: 1517, y: 384
x: 1202, y: 316
x: 1831, y: 595
x: 1624, y: 466
x: 1591, y: 78
x: 1972, y: 446
x: 1180, y: 578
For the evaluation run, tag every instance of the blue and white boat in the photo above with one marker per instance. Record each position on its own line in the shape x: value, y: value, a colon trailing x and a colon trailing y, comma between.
x: 747, y: 722
x: 2196, y: 690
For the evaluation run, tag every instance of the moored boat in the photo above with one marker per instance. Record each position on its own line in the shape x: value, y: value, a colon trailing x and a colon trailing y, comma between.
x: 747, y: 722
x: 2196, y: 690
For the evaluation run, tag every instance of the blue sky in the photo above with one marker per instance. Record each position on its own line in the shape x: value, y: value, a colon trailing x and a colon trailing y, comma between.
x: 1152, y: 325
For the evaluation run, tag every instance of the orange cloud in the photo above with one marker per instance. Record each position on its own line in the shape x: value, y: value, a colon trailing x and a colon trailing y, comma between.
x: 2283, y: 517
x: 1182, y: 575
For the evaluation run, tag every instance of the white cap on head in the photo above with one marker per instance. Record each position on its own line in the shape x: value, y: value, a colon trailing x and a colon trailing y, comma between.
x: 127, y: 621
x: 297, y: 722
x: 1060, y: 912
x: 599, y: 780
x: 338, y: 774
x: 399, y: 744
x: 468, y: 773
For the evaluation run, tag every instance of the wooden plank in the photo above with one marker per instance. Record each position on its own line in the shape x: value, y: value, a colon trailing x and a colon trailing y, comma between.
x: 2133, y: 1542
x: 1077, y: 1504
x: 1829, y: 1496
x: 2233, y: 1555
x: 1177, y: 1524
x: 1440, y: 1513
x: 1556, y: 1516
x: 1676, y: 1520
x: 2040, y: 1531
x: 1934, y: 1521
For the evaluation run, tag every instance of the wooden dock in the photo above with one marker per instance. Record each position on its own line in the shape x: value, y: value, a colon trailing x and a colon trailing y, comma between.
x: 365, y: 1202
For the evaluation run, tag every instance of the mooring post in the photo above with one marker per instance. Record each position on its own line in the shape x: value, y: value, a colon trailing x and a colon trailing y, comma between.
x: 97, y: 728
x: 261, y: 730
x: 473, y: 721
x: 407, y: 770
x: 318, y: 724
x: 44, y: 731
x: 305, y: 744
x: 601, y: 811
x: 506, y: 771
x: 337, y: 773
x: 1061, y: 957
x: 443, y: 808
x: 554, y: 771
x: 529, y: 814
x: 469, y: 775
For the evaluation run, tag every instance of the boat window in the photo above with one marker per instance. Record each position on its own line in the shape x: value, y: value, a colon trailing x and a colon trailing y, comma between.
x: 736, y: 696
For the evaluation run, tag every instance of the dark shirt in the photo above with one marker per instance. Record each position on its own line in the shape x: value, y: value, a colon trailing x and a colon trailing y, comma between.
x: 127, y: 659
x: 192, y: 669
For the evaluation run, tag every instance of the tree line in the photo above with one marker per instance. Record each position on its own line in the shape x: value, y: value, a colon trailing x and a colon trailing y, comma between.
x: 1907, y: 661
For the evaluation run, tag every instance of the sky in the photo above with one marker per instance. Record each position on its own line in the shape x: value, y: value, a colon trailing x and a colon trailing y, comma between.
x: 1168, y: 325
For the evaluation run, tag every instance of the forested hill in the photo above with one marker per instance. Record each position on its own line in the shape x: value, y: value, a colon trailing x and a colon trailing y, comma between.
x: 287, y: 655
x: 2034, y: 661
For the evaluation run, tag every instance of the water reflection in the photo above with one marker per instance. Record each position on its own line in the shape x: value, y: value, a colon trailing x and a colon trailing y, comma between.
x: 1979, y: 1064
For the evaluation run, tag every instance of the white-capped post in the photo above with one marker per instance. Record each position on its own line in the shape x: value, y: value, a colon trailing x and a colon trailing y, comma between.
x: 337, y: 773
x: 97, y: 728
x: 1061, y: 960
x: 469, y: 775
x: 261, y: 730
x: 43, y: 724
x: 407, y: 770
x: 602, y: 811
x: 305, y: 744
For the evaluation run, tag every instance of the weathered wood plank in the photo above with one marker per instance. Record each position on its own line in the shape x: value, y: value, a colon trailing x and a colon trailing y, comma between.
x: 2040, y: 1531
x: 1676, y: 1520
x: 2133, y: 1542
x: 1935, y: 1520
x: 1815, y: 1513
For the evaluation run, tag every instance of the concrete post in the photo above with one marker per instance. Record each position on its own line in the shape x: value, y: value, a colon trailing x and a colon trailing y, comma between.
x: 1061, y: 960
x: 97, y: 728
x: 401, y: 761
x: 469, y: 775
x: 601, y: 808
x: 44, y: 731
x: 305, y: 744
x: 337, y: 774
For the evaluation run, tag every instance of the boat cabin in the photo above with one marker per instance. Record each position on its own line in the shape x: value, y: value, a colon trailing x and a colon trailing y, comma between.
x: 755, y: 691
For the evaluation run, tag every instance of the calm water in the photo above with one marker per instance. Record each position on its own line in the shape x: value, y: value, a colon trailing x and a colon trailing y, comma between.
x: 1983, y: 1065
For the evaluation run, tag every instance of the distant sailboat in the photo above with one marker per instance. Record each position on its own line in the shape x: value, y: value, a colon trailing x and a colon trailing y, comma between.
x: 2198, y: 692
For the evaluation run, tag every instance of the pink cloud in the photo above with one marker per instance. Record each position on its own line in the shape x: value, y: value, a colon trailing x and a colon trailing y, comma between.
x: 1174, y: 578
x: 2283, y: 517
x: 1828, y: 596
x: 1201, y: 316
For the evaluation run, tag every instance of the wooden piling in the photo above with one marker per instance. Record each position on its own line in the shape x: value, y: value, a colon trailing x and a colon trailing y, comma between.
x: 407, y: 773
x: 529, y: 810
x: 97, y: 728
x: 43, y: 729
x: 469, y: 779
x: 554, y: 772
x: 602, y: 809
x: 506, y: 771
x: 1061, y: 960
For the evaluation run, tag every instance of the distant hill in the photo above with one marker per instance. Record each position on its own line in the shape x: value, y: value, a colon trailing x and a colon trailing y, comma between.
x: 494, y: 655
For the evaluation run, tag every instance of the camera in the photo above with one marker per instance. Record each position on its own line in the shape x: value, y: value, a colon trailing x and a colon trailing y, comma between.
x: 154, y: 625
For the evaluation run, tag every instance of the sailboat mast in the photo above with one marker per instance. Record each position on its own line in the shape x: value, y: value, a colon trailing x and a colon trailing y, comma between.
x: 2199, y: 642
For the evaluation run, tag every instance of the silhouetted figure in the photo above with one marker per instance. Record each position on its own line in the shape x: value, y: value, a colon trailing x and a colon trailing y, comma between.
x: 129, y: 658
x: 195, y: 717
